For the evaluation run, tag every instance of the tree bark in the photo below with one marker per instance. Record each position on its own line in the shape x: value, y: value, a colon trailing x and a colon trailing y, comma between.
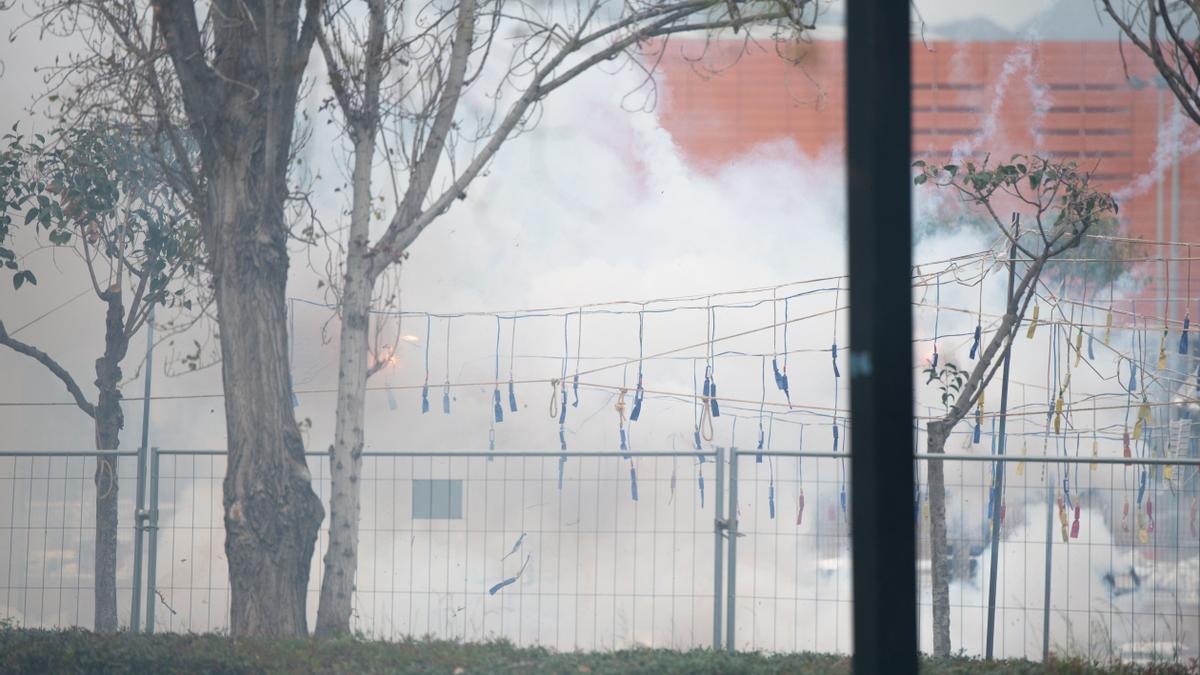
x: 271, y: 512
x: 935, y: 482
x: 345, y: 455
x: 109, y: 419
x: 239, y: 79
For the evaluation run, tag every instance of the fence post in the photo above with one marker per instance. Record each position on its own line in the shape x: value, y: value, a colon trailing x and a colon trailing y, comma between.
x: 732, y: 530
x: 152, y: 562
x: 718, y: 534
x: 999, y: 468
x: 139, y: 514
x: 1049, y: 553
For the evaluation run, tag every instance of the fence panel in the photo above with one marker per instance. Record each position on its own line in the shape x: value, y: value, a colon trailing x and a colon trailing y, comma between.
x: 588, y: 565
x: 792, y: 561
x: 474, y: 547
x: 1119, y: 541
x: 1124, y: 575
x: 48, y: 537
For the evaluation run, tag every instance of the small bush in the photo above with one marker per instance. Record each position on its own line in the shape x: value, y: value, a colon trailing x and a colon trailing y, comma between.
x: 76, y: 651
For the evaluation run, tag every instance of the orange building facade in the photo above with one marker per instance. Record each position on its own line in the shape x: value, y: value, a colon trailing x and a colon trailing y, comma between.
x: 1066, y: 100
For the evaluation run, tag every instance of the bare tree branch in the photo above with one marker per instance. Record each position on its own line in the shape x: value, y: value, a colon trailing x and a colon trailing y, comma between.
x: 1176, y: 55
x: 51, y: 365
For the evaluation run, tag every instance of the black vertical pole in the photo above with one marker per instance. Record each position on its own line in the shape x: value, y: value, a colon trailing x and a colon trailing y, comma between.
x: 1000, y: 468
x: 879, y: 182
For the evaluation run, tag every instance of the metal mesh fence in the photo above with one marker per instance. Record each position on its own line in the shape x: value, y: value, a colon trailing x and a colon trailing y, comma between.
x: 48, y: 537
x: 586, y: 551
x: 588, y: 565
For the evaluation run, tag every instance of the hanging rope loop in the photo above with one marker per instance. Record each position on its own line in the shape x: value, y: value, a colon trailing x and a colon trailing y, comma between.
x: 554, y: 398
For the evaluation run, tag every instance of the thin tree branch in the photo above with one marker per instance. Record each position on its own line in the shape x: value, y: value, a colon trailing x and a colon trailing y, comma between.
x: 50, y: 364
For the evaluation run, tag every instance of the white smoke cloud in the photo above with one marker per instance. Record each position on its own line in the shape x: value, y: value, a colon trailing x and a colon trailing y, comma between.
x: 616, y: 212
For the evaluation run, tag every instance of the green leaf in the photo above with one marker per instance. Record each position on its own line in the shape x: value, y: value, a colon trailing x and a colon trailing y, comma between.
x: 21, y: 277
x: 920, y: 179
x: 30, y: 215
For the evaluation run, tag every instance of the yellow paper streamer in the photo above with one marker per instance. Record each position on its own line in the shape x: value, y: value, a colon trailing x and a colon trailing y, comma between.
x: 1062, y: 518
x: 1079, y: 347
x: 1143, y: 418
x: 1095, y: 453
x: 1033, y: 323
x: 1108, y: 327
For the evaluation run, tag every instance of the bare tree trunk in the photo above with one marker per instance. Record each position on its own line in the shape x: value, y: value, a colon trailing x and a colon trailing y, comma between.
x: 341, y: 559
x: 271, y: 512
x: 938, y: 431
x: 109, y: 420
x: 239, y: 76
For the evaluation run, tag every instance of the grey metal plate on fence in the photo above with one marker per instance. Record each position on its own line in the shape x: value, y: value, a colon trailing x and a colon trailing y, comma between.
x: 437, y: 499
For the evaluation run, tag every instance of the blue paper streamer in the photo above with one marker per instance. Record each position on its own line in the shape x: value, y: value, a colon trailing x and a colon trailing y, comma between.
x: 639, y: 393
x: 425, y: 387
x: 716, y: 409
x: 516, y: 546
x: 991, y: 502
x: 496, y: 405
x: 509, y: 581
